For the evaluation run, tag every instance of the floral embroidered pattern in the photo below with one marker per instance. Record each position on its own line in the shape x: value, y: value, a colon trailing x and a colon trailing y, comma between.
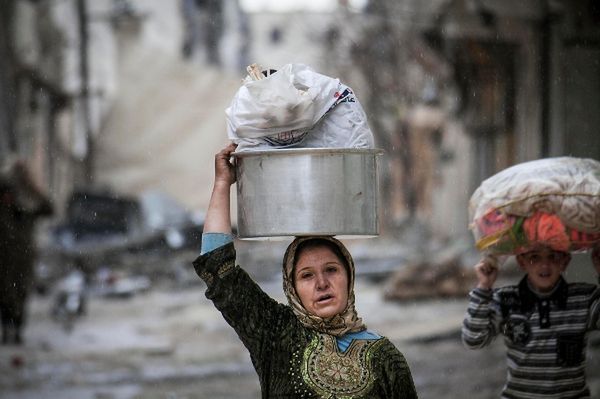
x: 222, y: 271
x: 226, y: 268
x: 333, y: 374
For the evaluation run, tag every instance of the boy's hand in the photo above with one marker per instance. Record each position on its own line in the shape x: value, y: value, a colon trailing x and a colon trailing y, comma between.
x: 487, y: 272
x: 596, y: 258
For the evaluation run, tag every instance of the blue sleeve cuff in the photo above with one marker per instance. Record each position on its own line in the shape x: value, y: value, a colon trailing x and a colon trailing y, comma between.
x: 212, y: 241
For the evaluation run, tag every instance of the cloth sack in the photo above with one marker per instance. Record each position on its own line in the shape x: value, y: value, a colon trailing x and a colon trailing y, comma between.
x: 552, y: 201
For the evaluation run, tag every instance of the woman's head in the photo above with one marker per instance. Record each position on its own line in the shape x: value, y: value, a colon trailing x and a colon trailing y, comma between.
x: 318, y: 280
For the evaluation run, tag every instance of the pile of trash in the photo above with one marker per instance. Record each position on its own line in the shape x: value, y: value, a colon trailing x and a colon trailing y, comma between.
x: 428, y: 279
x: 553, y: 202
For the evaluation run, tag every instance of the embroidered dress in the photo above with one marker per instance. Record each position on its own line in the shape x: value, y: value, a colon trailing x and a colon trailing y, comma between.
x: 546, y: 336
x: 291, y: 359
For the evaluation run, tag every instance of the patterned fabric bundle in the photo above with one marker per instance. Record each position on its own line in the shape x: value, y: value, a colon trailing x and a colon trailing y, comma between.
x: 553, y: 202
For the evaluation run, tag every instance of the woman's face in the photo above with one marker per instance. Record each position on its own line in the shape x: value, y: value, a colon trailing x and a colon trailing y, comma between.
x: 321, y: 281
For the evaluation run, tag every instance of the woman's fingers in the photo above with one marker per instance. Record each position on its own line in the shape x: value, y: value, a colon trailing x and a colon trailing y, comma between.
x: 229, y: 149
x: 224, y: 155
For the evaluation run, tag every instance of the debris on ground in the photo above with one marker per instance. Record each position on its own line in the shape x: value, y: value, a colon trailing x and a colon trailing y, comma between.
x: 424, y: 280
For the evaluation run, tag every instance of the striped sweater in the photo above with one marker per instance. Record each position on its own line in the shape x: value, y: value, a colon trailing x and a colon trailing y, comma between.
x: 546, y: 337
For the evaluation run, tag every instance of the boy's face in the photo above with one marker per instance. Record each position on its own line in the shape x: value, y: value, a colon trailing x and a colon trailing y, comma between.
x: 544, y: 267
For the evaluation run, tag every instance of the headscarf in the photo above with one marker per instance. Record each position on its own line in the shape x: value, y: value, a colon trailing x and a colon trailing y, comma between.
x: 338, y: 325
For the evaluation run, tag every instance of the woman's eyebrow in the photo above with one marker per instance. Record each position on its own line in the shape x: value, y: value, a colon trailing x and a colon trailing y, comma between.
x: 334, y: 262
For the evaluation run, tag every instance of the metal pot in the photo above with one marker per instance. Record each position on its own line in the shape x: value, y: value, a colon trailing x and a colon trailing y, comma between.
x: 307, y: 191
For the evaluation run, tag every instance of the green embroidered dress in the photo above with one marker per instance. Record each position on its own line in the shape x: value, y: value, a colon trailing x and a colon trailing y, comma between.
x: 291, y: 360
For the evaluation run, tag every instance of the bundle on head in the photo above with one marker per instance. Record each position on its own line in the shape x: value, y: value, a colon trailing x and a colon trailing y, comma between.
x: 553, y: 202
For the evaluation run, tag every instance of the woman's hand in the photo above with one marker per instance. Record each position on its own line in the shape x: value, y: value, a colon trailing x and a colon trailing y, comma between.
x: 224, y: 168
x: 487, y: 273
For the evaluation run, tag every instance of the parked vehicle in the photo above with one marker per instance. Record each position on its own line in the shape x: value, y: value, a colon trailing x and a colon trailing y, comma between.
x: 109, y: 222
x: 103, y: 229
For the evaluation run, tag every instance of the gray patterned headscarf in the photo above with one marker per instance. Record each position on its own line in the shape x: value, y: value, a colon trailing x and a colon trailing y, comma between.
x: 338, y: 325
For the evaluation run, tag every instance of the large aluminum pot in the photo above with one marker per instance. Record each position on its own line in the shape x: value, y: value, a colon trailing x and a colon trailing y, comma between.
x: 307, y: 191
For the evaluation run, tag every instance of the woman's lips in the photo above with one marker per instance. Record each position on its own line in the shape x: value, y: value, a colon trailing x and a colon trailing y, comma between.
x: 325, y: 299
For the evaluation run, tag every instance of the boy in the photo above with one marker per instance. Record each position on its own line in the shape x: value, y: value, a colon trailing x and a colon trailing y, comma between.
x: 545, y: 322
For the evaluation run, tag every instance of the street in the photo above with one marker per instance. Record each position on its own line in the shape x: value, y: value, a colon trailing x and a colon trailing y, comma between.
x: 169, y: 342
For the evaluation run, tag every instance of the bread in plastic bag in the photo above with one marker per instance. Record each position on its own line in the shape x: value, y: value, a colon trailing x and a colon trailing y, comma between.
x: 553, y: 202
x: 296, y: 107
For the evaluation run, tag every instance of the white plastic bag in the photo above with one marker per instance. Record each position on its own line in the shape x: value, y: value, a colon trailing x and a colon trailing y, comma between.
x: 296, y: 106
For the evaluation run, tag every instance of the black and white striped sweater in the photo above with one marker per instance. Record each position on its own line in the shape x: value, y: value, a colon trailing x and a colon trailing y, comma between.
x: 546, y: 337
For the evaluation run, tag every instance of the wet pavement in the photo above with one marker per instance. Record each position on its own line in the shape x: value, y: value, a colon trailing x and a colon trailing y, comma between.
x: 169, y: 342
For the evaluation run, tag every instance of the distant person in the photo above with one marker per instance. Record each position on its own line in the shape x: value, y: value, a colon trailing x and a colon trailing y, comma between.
x: 316, y: 346
x: 544, y: 320
x: 23, y: 202
x: 203, y: 27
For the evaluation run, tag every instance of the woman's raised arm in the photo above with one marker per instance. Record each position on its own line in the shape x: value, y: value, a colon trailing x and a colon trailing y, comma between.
x: 218, y: 215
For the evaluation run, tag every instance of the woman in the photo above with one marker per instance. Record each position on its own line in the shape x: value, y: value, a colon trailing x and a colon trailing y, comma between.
x: 316, y: 346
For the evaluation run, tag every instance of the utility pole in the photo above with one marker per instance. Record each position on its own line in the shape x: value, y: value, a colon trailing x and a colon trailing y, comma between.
x: 8, y: 142
x: 84, y: 70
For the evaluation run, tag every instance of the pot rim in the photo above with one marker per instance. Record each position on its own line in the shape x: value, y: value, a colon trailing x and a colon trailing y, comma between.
x: 308, y: 151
